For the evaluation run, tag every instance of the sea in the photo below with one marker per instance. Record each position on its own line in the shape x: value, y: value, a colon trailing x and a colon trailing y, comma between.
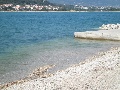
x: 29, y: 40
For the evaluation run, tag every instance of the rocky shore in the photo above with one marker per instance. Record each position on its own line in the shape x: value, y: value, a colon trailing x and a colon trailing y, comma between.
x: 110, y: 26
x: 101, y: 72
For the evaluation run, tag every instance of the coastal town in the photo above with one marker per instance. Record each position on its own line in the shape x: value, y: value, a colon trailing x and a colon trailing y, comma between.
x: 37, y: 7
x: 11, y: 7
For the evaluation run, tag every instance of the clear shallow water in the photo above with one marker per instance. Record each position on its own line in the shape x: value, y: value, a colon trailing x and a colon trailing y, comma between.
x: 29, y: 40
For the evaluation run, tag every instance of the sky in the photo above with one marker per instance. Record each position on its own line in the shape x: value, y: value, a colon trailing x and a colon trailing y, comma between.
x: 89, y: 2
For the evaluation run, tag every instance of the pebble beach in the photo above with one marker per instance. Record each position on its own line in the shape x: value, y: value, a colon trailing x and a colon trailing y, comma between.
x: 100, y: 72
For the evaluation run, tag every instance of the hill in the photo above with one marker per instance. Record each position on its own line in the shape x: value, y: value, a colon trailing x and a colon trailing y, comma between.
x: 115, y: 3
x: 20, y: 2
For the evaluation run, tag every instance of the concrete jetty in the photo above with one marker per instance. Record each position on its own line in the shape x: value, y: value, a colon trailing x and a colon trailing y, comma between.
x: 102, y: 34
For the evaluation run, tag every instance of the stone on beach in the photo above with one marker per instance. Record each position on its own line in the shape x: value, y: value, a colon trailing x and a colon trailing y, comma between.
x: 110, y: 26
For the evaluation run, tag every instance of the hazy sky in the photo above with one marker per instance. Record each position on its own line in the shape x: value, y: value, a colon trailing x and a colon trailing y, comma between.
x: 89, y: 2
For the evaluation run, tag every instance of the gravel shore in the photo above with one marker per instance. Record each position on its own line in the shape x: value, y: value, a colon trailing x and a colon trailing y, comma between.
x: 101, y: 72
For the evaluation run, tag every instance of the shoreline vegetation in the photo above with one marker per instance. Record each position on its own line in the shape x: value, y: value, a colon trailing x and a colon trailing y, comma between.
x: 101, y: 72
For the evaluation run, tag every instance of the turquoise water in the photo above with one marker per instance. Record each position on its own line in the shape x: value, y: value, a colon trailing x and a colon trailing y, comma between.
x: 33, y: 39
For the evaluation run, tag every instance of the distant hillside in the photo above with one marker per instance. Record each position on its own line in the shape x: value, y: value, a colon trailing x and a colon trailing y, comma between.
x: 89, y: 2
x: 39, y: 2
